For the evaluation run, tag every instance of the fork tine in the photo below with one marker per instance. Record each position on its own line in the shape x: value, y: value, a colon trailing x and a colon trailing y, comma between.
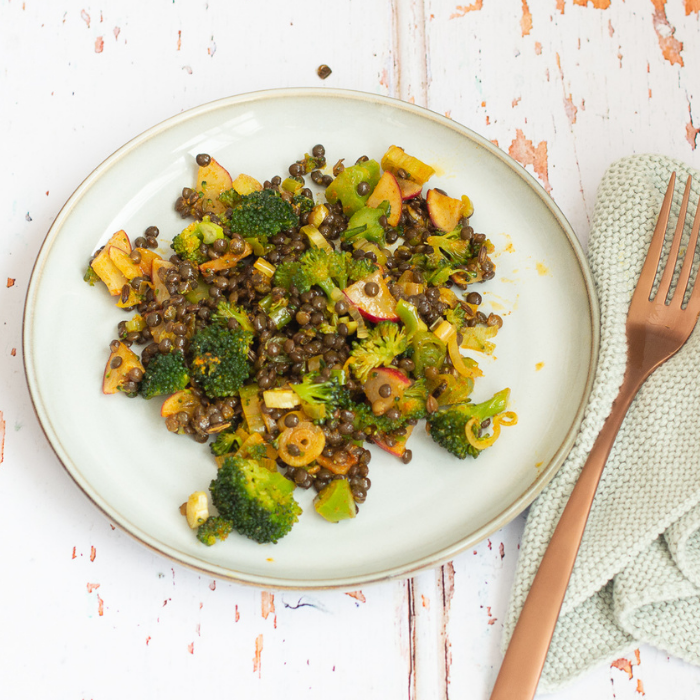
x: 694, y: 300
x: 646, y: 278
x: 665, y: 283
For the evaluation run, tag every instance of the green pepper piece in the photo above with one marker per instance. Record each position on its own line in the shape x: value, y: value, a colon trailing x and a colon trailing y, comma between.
x: 344, y: 187
x: 408, y: 314
x: 428, y: 351
x: 335, y: 502
x: 367, y: 217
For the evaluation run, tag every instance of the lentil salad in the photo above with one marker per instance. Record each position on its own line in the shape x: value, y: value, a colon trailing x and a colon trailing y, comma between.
x: 292, y: 331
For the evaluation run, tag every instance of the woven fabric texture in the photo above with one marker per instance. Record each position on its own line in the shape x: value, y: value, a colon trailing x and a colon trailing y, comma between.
x: 637, y: 576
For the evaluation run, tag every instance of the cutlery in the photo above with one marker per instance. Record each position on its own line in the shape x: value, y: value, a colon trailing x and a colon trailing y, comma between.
x: 657, y: 327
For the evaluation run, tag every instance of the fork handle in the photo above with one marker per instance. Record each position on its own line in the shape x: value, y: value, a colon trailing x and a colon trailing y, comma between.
x: 522, y: 665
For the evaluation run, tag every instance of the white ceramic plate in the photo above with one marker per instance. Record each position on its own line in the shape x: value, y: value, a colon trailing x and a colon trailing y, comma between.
x: 418, y: 515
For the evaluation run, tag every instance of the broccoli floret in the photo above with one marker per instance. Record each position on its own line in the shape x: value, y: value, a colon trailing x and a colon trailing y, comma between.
x: 452, y: 246
x: 412, y: 403
x: 186, y: 244
x: 258, y: 503
x: 219, y: 360
x: 230, y: 198
x: 322, y: 268
x: 365, y: 420
x: 384, y: 342
x: 438, y: 275
x: 225, y: 311
x: 90, y: 276
x: 262, y: 214
x: 311, y: 162
x: 290, y: 273
x: 165, y: 374
x: 213, y: 529
x: 314, y: 389
x: 302, y: 205
x: 226, y: 441
x: 457, y: 316
x: 447, y: 425
x: 359, y: 269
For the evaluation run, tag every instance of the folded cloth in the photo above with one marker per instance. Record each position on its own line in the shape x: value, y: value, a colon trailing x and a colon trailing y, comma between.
x: 637, y: 576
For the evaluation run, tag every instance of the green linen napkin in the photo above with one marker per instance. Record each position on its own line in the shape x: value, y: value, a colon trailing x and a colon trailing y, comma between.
x: 637, y: 576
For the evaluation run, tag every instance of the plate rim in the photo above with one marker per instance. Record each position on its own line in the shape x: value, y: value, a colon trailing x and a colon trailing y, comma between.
x: 405, y: 570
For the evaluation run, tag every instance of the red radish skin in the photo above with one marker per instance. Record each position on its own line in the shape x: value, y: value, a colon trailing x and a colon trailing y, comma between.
x: 445, y: 212
x: 396, y: 379
x: 409, y: 188
x: 399, y: 448
x: 387, y: 190
x: 381, y: 307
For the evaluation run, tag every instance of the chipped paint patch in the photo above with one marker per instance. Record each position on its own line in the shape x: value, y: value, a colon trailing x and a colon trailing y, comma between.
x: 526, y: 153
x: 85, y: 17
x: 212, y: 585
x: 93, y: 553
x: 237, y: 615
x: 626, y: 665
x: 100, y: 606
x: 99, y: 44
x: 384, y: 79
x: 538, y: 48
x: 598, y: 4
x: 116, y: 31
x: 539, y: 366
x: 670, y: 46
x: 691, y: 131
x: 425, y: 602
x: 267, y: 604
x: 462, y: 10
x: 692, y: 6
x: 502, y: 550
x: 179, y: 39
x: 526, y: 20
x: 257, y: 665
x: 92, y: 587
x: 570, y: 109
x: 190, y: 647
x: 640, y: 687
x: 357, y: 595
x: 11, y: 282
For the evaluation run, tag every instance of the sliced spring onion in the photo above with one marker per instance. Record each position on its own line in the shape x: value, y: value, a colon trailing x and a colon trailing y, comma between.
x: 362, y: 331
x: 316, y: 238
x: 458, y: 361
x: 413, y: 288
x: 197, y: 510
x: 506, y: 419
x: 251, y: 408
x: 447, y: 296
x: 317, y: 215
x: 291, y: 185
x: 444, y: 331
x: 316, y: 363
x: 281, y: 398
x: 481, y: 443
x: 264, y: 267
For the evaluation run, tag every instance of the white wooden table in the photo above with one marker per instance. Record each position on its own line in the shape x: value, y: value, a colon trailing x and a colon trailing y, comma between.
x: 564, y: 86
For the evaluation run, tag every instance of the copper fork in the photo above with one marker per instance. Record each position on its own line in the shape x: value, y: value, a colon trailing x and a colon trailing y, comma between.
x: 656, y: 329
